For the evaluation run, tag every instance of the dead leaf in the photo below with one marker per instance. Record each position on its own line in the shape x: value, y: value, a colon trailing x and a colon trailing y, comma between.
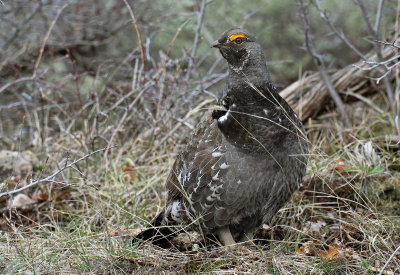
x: 40, y: 197
x: 308, y: 249
x: 122, y: 228
x: 332, y: 252
x: 129, y: 170
x: 341, y: 167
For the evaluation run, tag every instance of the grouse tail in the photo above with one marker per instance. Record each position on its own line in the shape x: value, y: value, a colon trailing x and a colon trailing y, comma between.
x: 157, y: 234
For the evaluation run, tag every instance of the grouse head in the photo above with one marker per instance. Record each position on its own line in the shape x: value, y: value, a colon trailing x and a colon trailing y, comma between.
x: 243, y: 53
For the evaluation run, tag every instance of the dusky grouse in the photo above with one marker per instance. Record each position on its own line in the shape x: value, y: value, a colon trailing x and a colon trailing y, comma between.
x: 243, y: 161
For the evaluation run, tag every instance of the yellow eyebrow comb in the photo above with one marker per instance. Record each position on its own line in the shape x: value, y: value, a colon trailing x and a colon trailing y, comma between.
x: 236, y: 35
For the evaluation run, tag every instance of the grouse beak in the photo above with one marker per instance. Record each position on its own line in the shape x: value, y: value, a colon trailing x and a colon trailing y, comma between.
x: 216, y: 44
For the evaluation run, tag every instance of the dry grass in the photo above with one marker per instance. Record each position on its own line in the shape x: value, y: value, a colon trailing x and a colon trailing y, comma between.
x: 87, y: 226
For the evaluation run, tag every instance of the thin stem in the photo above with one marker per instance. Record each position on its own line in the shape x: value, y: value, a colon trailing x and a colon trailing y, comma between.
x: 341, y: 35
x: 52, y: 176
x: 45, y: 40
x: 139, y: 38
x: 200, y: 19
x: 378, y: 16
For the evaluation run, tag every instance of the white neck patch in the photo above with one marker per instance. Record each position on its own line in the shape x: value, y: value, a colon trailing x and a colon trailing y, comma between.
x: 238, y: 69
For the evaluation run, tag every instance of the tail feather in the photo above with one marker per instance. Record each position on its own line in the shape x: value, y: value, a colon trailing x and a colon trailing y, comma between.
x: 157, y: 234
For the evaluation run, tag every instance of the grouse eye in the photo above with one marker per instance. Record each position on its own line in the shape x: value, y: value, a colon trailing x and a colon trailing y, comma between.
x: 239, y: 40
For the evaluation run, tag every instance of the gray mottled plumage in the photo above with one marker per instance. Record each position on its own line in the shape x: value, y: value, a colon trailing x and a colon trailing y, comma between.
x: 242, y: 163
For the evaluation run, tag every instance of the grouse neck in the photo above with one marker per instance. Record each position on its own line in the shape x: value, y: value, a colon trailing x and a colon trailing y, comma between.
x: 253, y: 70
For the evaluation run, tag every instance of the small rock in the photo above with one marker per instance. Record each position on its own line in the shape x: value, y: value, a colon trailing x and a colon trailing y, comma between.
x: 22, y: 201
x: 13, y: 164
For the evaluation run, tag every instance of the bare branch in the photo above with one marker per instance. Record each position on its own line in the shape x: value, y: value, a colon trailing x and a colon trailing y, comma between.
x: 24, y: 23
x: 247, y: 17
x: 43, y: 96
x: 374, y: 33
x: 319, y: 62
x: 164, y: 64
x: 375, y: 64
x: 37, y: 63
x: 19, y: 80
x: 396, y: 103
x: 47, y: 38
x: 340, y: 34
x: 364, y: 11
x: 196, y: 41
x: 122, y: 120
x: 139, y: 38
x: 393, y: 44
x: 52, y: 176
x: 182, y: 120
x: 172, y: 43
x: 378, y: 16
